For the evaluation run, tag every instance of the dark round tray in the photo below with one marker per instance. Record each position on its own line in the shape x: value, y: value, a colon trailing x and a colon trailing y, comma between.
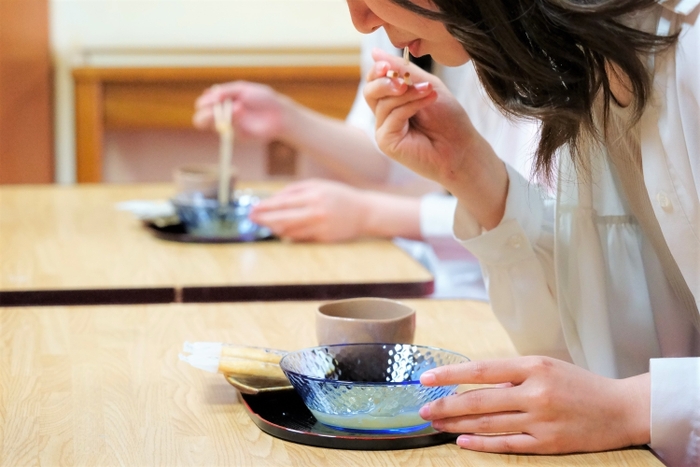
x: 177, y: 233
x: 283, y: 415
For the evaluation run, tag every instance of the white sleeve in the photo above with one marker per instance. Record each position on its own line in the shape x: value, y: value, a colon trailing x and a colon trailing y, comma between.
x: 517, y: 258
x: 675, y: 410
x: 436, y: 215
x: 675, y: 382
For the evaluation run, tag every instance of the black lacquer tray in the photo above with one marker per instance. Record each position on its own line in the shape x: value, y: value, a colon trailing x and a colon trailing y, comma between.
x: 177, y: 233
x: 283, y: 415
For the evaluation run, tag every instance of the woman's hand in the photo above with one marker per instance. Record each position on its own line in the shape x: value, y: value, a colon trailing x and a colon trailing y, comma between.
x: 258, y: 110
x: 539, y: 405
x: 424, y: 128
x: 314, y: 210
x: 326, y: 211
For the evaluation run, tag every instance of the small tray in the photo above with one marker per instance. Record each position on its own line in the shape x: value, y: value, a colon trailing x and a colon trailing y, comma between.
x: 177, y: 233
x: 283, y: 415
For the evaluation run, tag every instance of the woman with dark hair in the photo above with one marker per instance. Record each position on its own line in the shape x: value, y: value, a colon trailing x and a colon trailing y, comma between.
x: 606, y: 274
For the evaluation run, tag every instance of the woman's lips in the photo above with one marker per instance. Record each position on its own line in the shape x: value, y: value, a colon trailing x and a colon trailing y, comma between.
x: 414, y: 48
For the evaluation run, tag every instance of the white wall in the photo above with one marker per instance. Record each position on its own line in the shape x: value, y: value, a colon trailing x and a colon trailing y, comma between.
x: 187, y: 32
x: 200, y: 23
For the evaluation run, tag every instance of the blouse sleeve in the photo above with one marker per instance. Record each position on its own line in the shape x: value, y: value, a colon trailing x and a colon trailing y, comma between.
x: 675, y: 382
x: 517, y: 259
x: 436, y: 215
x: 675, y: 410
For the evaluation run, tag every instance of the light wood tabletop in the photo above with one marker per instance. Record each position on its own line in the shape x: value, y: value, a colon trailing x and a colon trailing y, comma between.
x: 103, y: 386
x: 70, y: 245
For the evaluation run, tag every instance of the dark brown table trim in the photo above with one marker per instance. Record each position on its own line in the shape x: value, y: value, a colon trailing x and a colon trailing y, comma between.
x: 86, y: 297
x: 256, y: 293
x: 249, y: 293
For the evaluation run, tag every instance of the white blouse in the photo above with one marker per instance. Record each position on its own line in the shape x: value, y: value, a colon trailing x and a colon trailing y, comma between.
x: 573, y: 276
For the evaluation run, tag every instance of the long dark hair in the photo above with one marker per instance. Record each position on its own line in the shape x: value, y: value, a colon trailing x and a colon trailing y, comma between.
x: 549, y: 59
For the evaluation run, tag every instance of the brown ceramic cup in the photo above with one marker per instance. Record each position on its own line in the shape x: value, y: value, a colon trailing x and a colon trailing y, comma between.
x: 201, y: 178
x: 365, y: 320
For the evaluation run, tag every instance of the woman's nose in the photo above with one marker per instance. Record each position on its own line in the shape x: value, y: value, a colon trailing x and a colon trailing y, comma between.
x: 363, y: 18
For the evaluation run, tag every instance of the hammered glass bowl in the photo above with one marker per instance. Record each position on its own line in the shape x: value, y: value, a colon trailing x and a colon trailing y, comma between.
x: 371, y: 388
x: 204, y: 217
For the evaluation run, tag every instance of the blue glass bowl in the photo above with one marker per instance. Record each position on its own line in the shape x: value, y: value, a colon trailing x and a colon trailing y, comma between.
x: 204, y: 217
x: 372, y: 388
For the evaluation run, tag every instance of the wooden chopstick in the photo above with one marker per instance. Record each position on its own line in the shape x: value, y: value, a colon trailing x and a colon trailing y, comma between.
x: 224, y: 126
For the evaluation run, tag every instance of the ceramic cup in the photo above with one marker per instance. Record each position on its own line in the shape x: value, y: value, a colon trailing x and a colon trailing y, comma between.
x: 365, y: 320
x: 200, y: 178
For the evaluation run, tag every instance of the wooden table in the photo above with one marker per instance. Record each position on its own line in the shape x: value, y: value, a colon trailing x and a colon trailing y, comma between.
x: 102, y: 386
x: 69, y: 245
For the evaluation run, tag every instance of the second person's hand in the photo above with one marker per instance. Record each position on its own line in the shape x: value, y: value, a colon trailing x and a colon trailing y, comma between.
x: 314, y: 210
x: 258, y: 110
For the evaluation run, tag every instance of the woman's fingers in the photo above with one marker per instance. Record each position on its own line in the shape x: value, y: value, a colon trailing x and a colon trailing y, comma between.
x: 291, y: 213
x: 220, y: 92
x: 203, y: 118
x: 380, y: 85
x: 298, y: 224
x: 474, y: 402
x: 292, y: 196
x: 507, y: 443
x: 204, y: 113
x: 313, y: 210
x: 282, y: 220
x: 491, y: 423
x: 303, y: 233
x: 511, y: 370
x: 383, y: 87
x: 395, y: 104
x: 210, y: 96
x: 385, y: 62
x: 403, y: 107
